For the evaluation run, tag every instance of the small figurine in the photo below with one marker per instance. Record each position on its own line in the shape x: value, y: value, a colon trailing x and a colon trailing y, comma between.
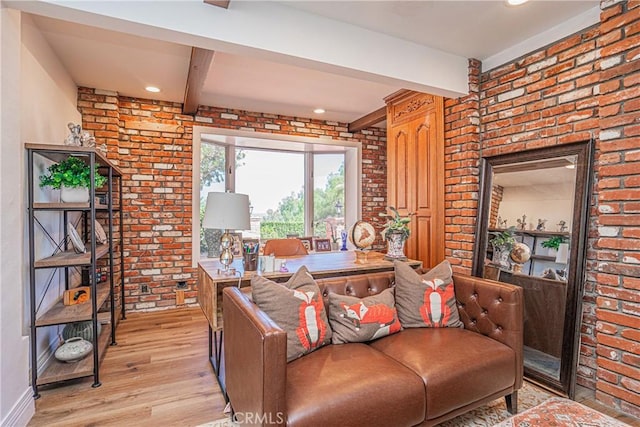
x: 562, y: 226
x: 87, y: 140
x: 522, y: 223
x: 541, y: 224
x: 74, y: 138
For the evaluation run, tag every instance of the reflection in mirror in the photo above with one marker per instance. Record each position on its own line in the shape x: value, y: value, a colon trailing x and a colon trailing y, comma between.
x: 533, y: 204
x: 530, y: 233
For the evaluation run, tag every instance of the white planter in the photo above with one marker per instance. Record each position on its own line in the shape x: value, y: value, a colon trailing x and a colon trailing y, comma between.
x: 74, y: 194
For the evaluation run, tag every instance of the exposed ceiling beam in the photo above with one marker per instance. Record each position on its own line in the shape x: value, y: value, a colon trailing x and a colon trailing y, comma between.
x: 198, y: 69
x: 368, y: 120
x: 292, y: 38
x: 220, y: 3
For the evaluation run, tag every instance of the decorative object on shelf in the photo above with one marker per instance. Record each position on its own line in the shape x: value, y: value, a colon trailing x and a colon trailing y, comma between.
x: 362, y: 235
x: 226, y: 211
x: 79, y: 295
x: 74, y: 138
x: 76, y: 241
x: 502, y: 242
x: 520, y: 254
x: 73, y: 177
x: 502, y: 223
x: 522, y: 223
x: 541, y: 224
x: 343, y: 236
x: 73, y: 350
x: 549, y: 273
x: 323, y: 245
x: 307, y: 242
x: 101, y: 235
x: 83, y: 330
x: 79, y: 138
x: 562, y: 226
x: 396, y: 232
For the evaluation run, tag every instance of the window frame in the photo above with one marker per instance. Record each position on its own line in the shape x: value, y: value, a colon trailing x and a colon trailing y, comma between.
x: 352, y: 164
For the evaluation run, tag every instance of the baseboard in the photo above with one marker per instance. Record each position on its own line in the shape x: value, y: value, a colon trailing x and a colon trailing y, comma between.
x: 21, y: 412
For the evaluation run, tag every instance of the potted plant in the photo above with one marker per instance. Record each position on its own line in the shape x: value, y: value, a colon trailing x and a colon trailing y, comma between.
x: 396, y: 232
x: 553, y: 243
x: 502, y: 242
x: 73, y: 177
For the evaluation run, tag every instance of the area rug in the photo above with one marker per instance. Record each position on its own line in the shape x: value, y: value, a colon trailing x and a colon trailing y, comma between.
x: 561, y: 412
x: 484, y: 416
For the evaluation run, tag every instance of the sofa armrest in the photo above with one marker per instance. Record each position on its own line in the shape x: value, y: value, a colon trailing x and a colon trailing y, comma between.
x: 493, y: 309
x: 255, y: 360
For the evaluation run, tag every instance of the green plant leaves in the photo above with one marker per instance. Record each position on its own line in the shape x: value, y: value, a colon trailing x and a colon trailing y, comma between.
x: 71, y: 172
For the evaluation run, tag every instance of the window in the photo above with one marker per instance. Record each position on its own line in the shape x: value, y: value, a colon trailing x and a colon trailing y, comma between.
x: 304, y: 187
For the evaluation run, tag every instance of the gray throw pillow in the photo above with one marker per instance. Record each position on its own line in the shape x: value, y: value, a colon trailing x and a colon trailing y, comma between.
x: 355, y: 319
x: 426, y: 300
x: 297, y: 307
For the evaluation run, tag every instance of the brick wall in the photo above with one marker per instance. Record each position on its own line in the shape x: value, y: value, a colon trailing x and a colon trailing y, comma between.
x: 461, y: 154
x: 615, y: 253
x: 497, y: 192
x: 586, y: 85
x: 151, y: 142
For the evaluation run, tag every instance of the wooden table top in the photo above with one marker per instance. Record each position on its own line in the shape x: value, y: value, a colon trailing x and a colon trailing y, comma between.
x: 320, y: 264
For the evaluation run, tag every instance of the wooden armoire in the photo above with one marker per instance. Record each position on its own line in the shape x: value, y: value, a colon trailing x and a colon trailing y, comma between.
x: 415, y: 170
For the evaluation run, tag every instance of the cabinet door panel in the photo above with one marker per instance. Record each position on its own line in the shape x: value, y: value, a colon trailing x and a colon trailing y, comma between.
x: 424, y: 170
x: 397, y: 171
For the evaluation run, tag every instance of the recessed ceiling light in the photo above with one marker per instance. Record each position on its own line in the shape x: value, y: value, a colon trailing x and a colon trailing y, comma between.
x: 152, y: 89
x: 571, y: 166
x: 319, y: 110
x: 516, y: 2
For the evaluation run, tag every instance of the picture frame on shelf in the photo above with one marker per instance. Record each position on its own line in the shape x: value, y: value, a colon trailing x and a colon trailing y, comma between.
x: 307, y: 242
x: 323, y: 245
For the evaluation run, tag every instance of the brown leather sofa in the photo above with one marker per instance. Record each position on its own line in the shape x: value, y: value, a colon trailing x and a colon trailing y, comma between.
x: 419, y: 376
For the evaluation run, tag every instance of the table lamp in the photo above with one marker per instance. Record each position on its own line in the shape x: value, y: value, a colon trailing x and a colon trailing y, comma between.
x: 226, y: 211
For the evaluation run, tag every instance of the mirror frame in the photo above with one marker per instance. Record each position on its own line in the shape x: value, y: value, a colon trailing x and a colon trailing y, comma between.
x: 576, y: 277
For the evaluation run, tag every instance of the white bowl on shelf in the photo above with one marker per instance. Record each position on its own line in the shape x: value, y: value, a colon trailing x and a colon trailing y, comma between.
x: 73, y: 350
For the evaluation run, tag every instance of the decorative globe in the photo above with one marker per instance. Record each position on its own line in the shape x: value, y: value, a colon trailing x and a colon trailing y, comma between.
x: 520, y: 253
x: 362, y: 235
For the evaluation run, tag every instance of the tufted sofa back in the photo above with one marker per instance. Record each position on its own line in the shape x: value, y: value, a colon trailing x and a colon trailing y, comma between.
x: 359, y: 286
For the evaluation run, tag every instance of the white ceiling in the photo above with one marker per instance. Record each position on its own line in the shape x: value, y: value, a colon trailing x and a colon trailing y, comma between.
x: 487, y: 30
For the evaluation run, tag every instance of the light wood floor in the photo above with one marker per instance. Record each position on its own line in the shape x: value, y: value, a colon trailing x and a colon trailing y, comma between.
x: 158, y: 375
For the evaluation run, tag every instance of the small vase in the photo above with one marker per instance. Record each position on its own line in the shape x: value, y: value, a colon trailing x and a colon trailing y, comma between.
x: 74, y: 194
x: 501, y: 257
x: 395, y: 247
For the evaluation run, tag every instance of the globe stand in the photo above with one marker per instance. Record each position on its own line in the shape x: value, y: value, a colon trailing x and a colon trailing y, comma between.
x: 361, y: 256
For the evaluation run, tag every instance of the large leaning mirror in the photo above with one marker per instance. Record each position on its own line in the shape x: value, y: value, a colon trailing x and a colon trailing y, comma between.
x: 532, y: 233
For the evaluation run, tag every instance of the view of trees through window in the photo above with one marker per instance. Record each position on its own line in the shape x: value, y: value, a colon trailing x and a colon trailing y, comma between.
x: 274, y: 181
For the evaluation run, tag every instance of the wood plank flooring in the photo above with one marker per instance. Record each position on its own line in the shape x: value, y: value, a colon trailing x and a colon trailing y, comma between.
x: 158, y: 375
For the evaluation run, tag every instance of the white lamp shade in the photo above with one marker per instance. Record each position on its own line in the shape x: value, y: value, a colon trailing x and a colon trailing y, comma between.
x: 563, y: 253
x: 227, y: 211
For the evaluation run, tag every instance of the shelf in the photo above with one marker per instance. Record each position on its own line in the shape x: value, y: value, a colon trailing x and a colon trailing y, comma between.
x: 60, y: 313
x: 102, y: 293
x: 70, y: 258
x: 58, y: 153
x: 542, y: 233
x: 544, y: 258
x: 70, y: 207
x: 60, y: 371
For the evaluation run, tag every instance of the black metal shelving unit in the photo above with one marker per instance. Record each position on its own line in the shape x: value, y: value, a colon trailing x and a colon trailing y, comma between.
x: 65, y: 258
